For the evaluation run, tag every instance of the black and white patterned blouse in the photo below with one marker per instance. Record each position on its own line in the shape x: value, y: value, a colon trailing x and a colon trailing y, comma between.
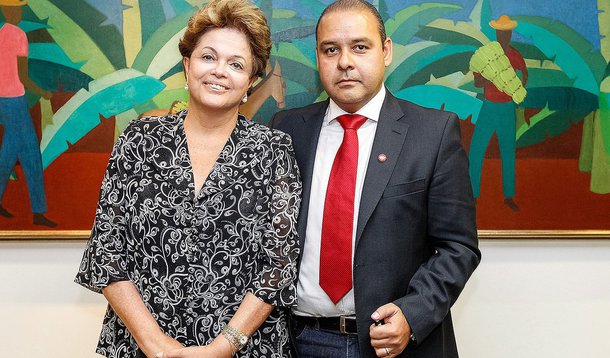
x: 194, y: 257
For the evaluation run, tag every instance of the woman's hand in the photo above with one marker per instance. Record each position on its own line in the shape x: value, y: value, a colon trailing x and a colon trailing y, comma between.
x: 219, y: 348
x: 126, y: 301
x: 162, y: 344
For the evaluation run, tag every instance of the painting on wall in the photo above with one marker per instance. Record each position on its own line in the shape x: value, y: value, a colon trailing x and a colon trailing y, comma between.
x: 530, y: 81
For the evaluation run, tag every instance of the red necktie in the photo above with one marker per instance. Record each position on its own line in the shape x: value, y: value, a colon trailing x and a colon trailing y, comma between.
x: 338, y: 220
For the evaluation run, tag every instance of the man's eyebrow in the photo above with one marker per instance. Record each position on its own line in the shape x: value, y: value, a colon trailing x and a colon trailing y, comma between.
x: 352, y: 41
x: 328, y: 42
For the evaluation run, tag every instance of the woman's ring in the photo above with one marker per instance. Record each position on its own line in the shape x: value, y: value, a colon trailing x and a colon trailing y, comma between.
x: 387, y: 351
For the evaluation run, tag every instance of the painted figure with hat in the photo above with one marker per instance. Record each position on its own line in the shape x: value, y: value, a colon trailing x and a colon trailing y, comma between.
x: 498, y: 116
x: 19, y: 142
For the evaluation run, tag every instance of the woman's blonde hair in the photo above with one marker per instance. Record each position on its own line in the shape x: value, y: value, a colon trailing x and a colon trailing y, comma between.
x: 238, y: 14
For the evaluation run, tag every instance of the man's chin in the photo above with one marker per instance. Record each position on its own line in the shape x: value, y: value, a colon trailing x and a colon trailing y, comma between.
x: 349, y: 104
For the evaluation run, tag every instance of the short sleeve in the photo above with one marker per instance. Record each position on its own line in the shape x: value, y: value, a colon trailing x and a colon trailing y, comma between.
x: 276, y: 282
x: 21, y: 43
x: 104, y: 260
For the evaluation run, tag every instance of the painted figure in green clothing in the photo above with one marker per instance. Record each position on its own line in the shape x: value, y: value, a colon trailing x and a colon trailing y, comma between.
x: 497, y: 116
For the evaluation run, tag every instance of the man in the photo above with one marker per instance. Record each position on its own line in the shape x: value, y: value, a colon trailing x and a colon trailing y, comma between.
x: 19, y: 142
x: 405, y: 207
x: 498, y: 116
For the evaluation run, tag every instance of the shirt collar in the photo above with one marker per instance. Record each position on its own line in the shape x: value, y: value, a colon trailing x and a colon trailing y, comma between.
x: 370, y: 110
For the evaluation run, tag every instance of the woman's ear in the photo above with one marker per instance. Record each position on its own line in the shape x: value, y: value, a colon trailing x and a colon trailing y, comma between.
x: 251, y: 83
x: 185, y: 65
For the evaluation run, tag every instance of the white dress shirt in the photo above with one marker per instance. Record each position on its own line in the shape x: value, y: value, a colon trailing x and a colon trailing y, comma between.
x: 312, y: 300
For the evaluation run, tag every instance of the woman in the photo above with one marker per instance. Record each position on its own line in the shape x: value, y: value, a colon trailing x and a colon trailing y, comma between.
x: 194, y: 241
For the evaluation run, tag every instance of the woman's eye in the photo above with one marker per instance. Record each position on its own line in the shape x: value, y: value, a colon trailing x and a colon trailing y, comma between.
x: 207, y: 57
x: 237, y: 66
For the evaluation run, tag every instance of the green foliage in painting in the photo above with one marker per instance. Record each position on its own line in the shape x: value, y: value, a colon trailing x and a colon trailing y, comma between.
x: 107, y: 96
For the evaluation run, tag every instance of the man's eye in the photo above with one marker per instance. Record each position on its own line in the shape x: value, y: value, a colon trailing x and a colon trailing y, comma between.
x: 331, y: 50
x: 360, y: 48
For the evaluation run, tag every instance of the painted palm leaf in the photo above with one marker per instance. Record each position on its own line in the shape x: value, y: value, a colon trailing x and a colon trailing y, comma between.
x: 455, y: 80
x: 603, y: 19
x: 290, y: 51
x: 55, y: 77
x: 547, y: 124
x: 384, y: 12
x: 302, y: 74
x: 306, y: 50
x: 434, y: 96
x: 480, y: 17
x: 287, y: 29
x: 167, y: 58
x: 547, y: 77
x: 581, y: 45
x: 561, y: 107
x: 29, y: 26
x: 401, y: 53
x: 107, y: 96
x: 299, y: 72
x: 93, y: 22
x: 568, y: 49
x: 166, y: 98
x: 457, y: 62
x: 160, y: 54
x: 529, y: 51
x: 310, y: 9
x: 180, y: 6
x: 600, y: 165
x: 51, y: 68
x: 51, y: 52
x: 407, y: 22
x: 177, y: 70
x: 152, y: 17
x: 561, y: 98
x: 426, y: 57
x: 447, y: 31
x: 73, y: 39
x: 604, y: 113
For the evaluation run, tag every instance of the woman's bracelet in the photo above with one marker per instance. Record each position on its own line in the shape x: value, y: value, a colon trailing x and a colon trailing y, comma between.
x: 237, y: 338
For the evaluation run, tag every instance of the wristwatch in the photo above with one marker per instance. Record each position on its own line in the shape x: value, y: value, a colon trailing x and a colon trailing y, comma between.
x: 237, y: 338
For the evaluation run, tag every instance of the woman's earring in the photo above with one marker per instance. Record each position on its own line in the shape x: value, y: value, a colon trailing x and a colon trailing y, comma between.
x: 186, y: 86
x: 245, y: 99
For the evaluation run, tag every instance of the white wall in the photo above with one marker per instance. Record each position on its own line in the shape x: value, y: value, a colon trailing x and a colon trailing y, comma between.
x: 528, y: 298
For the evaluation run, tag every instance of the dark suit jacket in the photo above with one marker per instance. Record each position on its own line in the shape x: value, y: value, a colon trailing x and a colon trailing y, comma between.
x: 416, y: 240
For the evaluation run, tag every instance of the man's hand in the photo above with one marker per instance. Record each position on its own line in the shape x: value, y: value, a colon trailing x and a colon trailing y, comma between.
x: 392, y: 337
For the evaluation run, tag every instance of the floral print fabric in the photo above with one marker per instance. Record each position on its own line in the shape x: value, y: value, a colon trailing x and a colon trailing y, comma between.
x: 194, y: 257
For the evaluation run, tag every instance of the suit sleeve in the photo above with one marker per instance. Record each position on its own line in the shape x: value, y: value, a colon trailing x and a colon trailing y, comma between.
x: 277, y: 121
x: 452, y: 232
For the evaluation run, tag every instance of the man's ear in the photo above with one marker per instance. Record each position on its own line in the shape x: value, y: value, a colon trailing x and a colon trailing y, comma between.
x: 387, y: 52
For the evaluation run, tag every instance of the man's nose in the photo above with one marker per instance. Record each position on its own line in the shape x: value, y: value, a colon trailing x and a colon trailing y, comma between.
x: 345, y: 60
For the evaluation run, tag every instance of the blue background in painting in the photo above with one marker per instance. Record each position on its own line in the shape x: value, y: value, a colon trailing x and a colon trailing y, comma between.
x: 574, y: 13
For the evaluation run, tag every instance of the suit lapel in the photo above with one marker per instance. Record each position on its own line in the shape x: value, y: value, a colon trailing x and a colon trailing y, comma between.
x: 389, y: 139
x: 306, y: 138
